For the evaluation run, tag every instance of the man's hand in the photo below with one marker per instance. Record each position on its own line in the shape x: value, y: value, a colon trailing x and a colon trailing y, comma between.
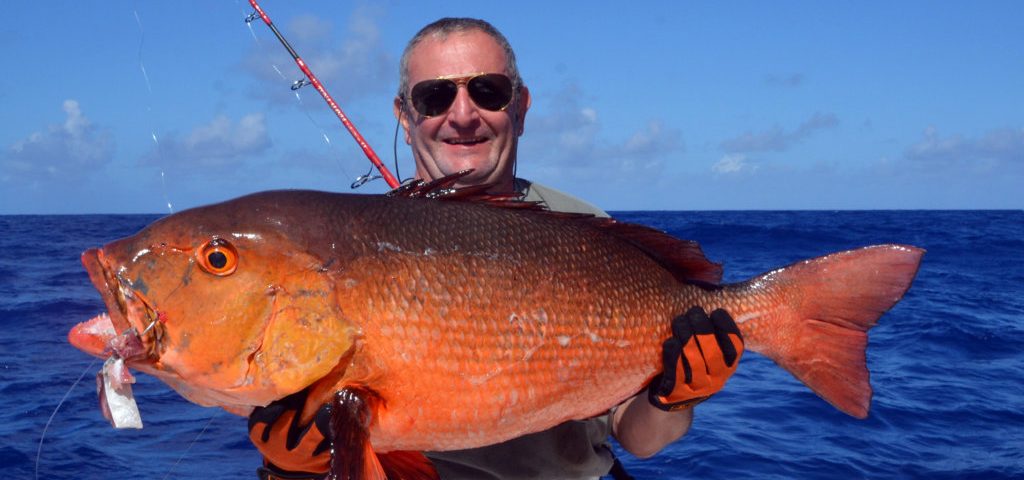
x: 698, y: 359
x: 291, y: 447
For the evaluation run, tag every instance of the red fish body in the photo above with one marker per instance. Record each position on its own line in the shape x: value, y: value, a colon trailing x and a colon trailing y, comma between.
x: 469, y: 323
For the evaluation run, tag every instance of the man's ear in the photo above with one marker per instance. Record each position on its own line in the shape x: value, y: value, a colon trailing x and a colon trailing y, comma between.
x: 398, y: 108
x: 522, y: 106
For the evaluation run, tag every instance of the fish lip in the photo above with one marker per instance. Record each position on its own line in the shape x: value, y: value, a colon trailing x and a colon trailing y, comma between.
x: 99, y: 275
x: 117, y: 294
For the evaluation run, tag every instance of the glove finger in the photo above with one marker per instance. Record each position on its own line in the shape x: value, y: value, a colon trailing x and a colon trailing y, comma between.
x: 288, y: 442
x: 723, y: 327
x: 693, y: 354
x: 670, y: 353
x: 683, y: 328
x: 696, y: 323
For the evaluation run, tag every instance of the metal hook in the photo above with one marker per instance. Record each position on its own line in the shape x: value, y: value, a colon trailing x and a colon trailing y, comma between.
x: 364, y: 179
x: 299, y: 84
x: 252, y: 16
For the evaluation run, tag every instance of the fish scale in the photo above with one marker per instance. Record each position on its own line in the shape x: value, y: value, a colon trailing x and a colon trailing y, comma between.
x: 544, y: 356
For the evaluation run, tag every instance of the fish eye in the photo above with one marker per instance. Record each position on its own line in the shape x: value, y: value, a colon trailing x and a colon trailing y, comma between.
x: 217, y: 257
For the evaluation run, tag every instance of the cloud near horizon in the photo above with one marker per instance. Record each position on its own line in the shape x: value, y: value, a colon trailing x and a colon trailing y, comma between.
x: 733, y: 164
x: 997, y: 148
x: 65, y: 151
x: 777, y: 139
x: 218, y: 144
x: 571, y: 135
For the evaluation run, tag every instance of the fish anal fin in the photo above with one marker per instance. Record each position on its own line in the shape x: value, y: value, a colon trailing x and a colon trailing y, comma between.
x: 828, y: 304
x: 352, y: 457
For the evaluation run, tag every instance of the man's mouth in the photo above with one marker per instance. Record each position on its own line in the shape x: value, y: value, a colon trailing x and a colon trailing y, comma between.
x: 467, y: 141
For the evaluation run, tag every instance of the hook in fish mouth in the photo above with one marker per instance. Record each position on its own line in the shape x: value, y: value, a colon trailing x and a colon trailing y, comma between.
x: 138, y: 325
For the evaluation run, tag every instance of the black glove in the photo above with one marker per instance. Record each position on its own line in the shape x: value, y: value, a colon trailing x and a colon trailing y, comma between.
x: 698, y: 359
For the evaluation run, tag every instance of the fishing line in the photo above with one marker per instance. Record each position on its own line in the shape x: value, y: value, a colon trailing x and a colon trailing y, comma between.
x: 333, y: 151
x: 315, y: 82
x: 39, y: 451
x: 394, y: 141
x: 149, y: 111
x: 216, y: 413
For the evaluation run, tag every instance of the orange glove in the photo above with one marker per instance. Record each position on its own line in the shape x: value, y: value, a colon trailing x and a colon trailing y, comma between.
x: 290, y: 448
x: 698, y: 359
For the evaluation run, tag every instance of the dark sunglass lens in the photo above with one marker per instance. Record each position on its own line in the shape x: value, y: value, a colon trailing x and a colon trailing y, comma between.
x: 492, y: 91
x: 433, y: 97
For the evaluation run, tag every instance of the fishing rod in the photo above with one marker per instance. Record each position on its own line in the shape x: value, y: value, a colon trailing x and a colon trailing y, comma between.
x: 370, y: 154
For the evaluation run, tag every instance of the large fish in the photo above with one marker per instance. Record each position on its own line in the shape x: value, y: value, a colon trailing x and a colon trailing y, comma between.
x: 455, y: 323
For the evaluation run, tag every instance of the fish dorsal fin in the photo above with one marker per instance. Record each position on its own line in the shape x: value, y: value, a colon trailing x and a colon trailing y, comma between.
x: 684, y: 258
x: 444, y: 189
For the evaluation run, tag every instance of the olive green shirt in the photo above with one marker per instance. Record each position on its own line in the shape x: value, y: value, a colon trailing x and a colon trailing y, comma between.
x: 555, y: 200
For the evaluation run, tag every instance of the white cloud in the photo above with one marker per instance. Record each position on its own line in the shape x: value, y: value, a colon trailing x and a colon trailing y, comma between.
x: 68, y: 150
x: 733, y: 163
x: 219, y: 143
x: 777, y: 139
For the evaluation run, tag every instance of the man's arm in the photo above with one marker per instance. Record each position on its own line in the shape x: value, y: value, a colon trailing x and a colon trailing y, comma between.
x: 643, y: 429
x: 697, y: 360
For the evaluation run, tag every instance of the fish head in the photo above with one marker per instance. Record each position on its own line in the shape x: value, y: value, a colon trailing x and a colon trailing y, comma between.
x: 226, y: 304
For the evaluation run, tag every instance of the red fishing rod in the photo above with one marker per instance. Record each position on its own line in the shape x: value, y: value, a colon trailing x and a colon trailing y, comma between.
x: 370, y: 154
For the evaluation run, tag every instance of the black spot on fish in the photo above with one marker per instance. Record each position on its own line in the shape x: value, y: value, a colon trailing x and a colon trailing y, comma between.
x: 184, y: 341
x: 325, y: 267
x: 140, y: 286
x: 186, y: 277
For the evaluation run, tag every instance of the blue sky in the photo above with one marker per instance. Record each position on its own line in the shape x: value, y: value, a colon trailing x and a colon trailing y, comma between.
x: 653, y: 106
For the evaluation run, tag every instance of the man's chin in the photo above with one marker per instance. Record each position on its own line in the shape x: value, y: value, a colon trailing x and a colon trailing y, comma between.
x: 475, y: 178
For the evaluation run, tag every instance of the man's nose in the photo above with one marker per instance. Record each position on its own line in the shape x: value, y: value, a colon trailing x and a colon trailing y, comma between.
x: 463, y: 111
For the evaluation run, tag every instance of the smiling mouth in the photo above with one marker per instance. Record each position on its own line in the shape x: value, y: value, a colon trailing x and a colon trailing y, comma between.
x: 465, y: 141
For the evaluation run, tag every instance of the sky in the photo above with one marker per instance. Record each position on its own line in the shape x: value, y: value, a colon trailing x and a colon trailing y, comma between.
x: 151, y: 107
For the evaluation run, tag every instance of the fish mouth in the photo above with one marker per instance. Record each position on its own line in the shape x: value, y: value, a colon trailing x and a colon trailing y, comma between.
x: 131, y: 329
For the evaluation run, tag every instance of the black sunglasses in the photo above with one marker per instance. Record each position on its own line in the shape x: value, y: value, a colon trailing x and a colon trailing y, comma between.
x: 490, y: 91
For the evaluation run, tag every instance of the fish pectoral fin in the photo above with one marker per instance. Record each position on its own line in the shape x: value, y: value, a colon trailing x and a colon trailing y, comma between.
x: 352, y: 454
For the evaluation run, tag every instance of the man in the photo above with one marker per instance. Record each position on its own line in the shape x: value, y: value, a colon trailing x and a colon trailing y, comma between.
x: 463, y: 135
x: 463, y: 105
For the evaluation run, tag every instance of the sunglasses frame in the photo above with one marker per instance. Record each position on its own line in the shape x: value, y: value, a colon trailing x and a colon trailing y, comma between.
x: 462, y: 80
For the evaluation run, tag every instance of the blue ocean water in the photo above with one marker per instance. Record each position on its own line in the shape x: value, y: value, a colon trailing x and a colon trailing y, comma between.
x: 947, y: 362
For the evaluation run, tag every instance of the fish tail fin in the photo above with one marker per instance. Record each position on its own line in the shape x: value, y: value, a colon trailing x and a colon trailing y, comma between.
x: 818, y: 330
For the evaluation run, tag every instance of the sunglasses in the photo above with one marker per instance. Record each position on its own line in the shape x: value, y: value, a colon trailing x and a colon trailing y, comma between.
x: 490, y: 91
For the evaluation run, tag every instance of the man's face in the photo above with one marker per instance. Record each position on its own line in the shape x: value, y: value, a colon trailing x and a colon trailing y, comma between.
x: 466, y: 136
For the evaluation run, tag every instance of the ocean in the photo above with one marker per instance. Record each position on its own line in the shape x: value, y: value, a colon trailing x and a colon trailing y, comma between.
x: 947, y: 363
